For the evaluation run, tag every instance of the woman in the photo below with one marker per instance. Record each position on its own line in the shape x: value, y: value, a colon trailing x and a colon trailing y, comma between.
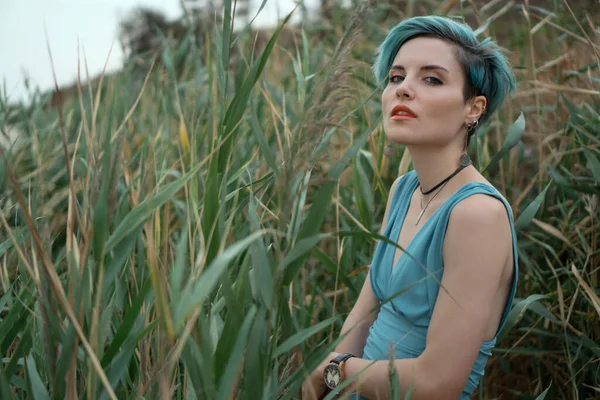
x: 441, y: 83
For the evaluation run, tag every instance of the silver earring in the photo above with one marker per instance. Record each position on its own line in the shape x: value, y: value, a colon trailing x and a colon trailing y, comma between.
x: 472, y: 125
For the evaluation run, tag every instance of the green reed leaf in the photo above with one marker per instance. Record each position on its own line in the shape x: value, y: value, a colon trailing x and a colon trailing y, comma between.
x: 594, y: 163
x: 262, y: 268
x: 197, y: 291
x: 261, y: 139
x: 125, y: 329
x: 256, y: 359
x: 119, y: 365
x: 5, y: 387
x: 517, y: 312
x: 16, y: 318
x: 529, y: 212
x: 236, y: 109
x: 542, y: 395
x: 138, y: 215
x: 177, y: 273
x: 302, y: 336
x: 100, y: 231
x: 303, y: 247
x: 234, y: 358
x: 23, y: 348
x: 38, y: 389
x: 364, y: 193
x: 64, y: 359
x: 514, y: 135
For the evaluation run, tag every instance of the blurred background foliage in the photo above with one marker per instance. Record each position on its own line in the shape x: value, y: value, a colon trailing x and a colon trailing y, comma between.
x: 199, y: 224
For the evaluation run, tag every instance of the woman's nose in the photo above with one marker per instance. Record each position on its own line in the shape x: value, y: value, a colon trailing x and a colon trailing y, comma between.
x: 404, y: 90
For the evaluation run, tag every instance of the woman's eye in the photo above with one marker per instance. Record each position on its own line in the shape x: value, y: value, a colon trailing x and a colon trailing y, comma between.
x: 432, y: 80
x: 396, y: 78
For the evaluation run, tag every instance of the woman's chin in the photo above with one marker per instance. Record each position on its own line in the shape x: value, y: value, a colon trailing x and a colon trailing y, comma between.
x: 403, y: 139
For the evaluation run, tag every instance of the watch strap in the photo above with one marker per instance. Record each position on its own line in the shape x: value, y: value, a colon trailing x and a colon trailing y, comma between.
x: 341, y: 358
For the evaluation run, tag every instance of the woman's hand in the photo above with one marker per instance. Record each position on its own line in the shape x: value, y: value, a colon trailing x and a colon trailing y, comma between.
x: 314, y: 387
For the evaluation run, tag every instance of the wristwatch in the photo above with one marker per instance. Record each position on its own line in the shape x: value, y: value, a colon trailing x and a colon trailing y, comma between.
x: 333, y: 374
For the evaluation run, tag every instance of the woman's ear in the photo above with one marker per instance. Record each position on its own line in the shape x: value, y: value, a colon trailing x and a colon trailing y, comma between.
x: 476, y: 108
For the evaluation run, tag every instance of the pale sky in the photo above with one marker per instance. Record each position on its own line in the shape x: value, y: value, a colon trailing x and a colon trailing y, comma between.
x: 25, y: 25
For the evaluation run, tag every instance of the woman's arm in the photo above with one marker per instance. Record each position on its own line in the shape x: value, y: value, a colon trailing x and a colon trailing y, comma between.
x: 359, y: 321
x: 478, y: 242
x: 364, y: 312
x: 361, y: 317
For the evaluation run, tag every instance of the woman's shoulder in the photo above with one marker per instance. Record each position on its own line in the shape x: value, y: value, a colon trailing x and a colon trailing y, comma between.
x: 480, y: 206
x: 403, y: 179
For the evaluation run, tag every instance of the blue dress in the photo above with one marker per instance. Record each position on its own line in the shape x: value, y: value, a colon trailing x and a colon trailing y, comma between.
x: 404, y: 320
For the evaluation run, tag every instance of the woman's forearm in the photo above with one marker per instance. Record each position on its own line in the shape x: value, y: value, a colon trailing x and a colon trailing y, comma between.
x: 357, y: 329
x: 374, y: 379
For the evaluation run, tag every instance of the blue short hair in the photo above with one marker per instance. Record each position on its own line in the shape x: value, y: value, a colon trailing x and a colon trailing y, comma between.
x: 485, y: 67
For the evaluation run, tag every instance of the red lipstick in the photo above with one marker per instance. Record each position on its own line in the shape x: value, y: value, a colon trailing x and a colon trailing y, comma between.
x: 401, y: 113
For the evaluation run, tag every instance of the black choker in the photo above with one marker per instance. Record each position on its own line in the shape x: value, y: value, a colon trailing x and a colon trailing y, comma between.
x: 465, y: 161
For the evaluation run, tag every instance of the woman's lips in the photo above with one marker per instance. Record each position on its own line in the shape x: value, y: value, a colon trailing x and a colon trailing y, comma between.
x: 400, y: 117
x: 402, y: 113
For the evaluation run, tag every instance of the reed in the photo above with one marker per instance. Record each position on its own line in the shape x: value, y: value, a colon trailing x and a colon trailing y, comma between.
x: 200, y: 229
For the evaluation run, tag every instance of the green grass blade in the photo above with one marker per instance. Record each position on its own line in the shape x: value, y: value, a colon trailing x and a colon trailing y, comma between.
x: 529, y: 212
x: 228, y: 377
x: 262, y: 268
x: 64, y: 359
x: 255, y: 360
x: 24, y: 347
x: 125, y: 329
x: 195, y: 292
x: 15, y: 320
x: 227, y: 31
x: 5, y: 386
x: 594, y: 163
x: 212, y: 217
x: 364, y: 193
x: 38, y: 389
x: 261, y: 139
x: 249, y: 24
x: 517, y: 312
x: 120, y: 254
x: 302, y: 248
x: 176, y: 276
x: 542, y: 396
x: 144, y: 210
x: 294, y: 382
x: 100, y: 231
x: 119, y: 365
x: 514, y: 135
x: 301, y: 336
x: 20, y: 234
x: 236, y: 109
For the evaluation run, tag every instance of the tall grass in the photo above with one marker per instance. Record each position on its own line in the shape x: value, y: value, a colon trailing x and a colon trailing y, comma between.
x: 200, y: 231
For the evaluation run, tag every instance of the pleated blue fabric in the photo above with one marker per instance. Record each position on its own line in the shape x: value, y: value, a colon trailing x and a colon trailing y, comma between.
x: 402, y: 323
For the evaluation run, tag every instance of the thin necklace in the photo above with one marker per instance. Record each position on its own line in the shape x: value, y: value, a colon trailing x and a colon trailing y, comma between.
x: 465, y: 161
x: 427, y: 205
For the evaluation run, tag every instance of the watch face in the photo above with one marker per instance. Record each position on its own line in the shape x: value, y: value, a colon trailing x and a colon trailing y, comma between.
x: 332, y: 376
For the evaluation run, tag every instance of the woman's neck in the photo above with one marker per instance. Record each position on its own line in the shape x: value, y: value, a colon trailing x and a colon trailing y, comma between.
x: 433, y: 165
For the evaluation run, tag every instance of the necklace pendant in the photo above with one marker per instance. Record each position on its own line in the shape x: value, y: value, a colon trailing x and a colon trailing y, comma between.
x: 465, y: 160
x: 420, y: 215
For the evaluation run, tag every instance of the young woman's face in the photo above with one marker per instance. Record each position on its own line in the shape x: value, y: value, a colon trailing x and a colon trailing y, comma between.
x: 423, y: 102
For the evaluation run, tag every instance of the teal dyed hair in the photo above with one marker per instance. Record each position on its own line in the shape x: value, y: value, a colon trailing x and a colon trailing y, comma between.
x: 485, y: 68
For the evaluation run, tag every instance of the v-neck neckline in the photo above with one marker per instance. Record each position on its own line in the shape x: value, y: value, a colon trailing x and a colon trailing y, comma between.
x: 414, y: 184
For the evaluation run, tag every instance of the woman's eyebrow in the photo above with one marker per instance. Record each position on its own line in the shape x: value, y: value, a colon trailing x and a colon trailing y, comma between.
x: 423, y: 68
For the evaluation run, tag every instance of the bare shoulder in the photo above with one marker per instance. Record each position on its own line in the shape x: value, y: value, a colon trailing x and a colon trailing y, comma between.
x: 479, y: 226
x: 395, y: 184
x: 480, y: 209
